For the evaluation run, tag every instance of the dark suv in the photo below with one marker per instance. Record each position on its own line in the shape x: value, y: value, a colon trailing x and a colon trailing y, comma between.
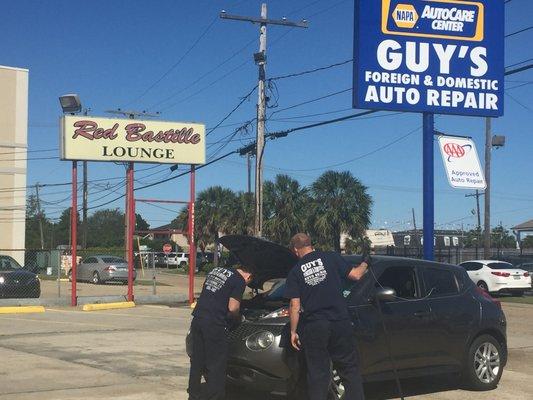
x: 438, y: 321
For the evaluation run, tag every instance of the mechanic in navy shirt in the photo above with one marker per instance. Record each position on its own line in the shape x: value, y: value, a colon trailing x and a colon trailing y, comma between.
x: 314, y: 287
x: 219, y: 303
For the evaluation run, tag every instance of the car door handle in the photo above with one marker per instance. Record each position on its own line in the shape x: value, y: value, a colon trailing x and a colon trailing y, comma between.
x: 421, y: 314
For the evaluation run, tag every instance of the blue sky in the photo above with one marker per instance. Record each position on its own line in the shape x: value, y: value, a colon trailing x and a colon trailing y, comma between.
x: 110, y: 52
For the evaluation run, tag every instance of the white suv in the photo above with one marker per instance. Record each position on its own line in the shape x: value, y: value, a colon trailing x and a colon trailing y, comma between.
x: 498, y: 276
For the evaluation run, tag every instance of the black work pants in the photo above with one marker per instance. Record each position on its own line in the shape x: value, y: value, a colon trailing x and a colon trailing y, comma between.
x: 325, y: 342
x: 209, y: 359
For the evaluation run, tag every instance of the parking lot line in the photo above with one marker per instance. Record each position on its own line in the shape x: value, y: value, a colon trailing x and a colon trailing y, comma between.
x: 175, y: 317
x: 22, y: 310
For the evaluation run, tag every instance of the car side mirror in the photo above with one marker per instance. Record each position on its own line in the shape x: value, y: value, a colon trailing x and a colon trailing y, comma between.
x: 385, y: 294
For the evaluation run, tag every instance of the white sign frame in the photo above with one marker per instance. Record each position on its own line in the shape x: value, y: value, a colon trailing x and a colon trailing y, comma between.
x: 461, y: 162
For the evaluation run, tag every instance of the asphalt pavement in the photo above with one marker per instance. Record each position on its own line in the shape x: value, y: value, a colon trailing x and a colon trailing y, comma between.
x: 139, y: 354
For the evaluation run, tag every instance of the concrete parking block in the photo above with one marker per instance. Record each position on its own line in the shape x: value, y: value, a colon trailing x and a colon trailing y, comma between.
x: 108, y: 306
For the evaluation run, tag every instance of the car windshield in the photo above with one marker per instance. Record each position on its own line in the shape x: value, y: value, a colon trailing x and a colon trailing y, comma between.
x: 8, y: 264
x: 277, y: 293
x: 500, y: 265
x: 116, y: 260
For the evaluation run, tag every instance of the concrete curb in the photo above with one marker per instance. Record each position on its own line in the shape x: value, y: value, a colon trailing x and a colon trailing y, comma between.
x: 168, y: 299
x: 21, y: 310
x: 108, y: 306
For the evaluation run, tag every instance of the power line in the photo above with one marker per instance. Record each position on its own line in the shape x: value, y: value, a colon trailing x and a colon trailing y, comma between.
x: 311, y: 71
x: 312, y: 100
x: 174, y: 94
x: 30, y: 151
x: 243, y: 99
x: 519, y: 31
x: 176, y: 64
x: 29, y: 159
x: 358, y: 157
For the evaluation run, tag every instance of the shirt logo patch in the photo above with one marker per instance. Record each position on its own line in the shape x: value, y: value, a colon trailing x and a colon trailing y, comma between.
x: 216, y: 279
x: 314, y: 272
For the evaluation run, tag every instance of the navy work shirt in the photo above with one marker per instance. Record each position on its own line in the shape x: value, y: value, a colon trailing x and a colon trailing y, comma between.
x: 317, y: 281
x: 219, y: 286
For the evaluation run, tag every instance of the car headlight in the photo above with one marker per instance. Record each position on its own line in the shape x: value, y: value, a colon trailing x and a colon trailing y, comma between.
x: 2, y: 279
x: 260, y: 341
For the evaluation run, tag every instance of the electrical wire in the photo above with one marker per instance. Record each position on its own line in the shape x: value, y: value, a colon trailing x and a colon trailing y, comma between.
x: 311, y: 71
x: 180, y: 91
x: 176, y: 64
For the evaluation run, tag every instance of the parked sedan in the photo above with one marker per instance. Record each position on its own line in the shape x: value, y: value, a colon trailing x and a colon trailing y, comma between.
x: 101, y: 269
x: 437, y: 321
x: 498, y: 276
x: 527, y: 266
x: 16, y: 282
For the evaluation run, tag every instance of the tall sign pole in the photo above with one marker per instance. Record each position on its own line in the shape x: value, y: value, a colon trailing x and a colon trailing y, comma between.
x: 74, y: 234
x: 261, y: 59
x: 486, y: 222
x: 431, y: 57
x: 428, y: 185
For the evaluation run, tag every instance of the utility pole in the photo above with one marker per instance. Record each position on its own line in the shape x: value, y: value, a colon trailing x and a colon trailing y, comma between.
x: 85, y: 197
x: 129, y: 212
x: 488, y: 150
x: 414, y: 226
x: 477, y: 195
x: 249, y: 167
x: 84, y: 213
x: 40, y: 215
x: 261, y: 59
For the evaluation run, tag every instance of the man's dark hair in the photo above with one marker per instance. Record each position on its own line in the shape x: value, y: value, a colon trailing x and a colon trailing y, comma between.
x: 300, y: 240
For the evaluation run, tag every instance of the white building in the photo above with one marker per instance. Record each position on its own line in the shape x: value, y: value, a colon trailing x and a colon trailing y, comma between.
x: 13, y: 147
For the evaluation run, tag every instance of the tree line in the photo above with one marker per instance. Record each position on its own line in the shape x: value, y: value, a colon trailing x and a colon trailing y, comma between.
x: 334, y: 204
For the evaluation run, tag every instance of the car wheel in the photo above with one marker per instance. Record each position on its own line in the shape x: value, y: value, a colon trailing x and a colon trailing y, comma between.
x: 70, y: 276
x: 483, y: 285
x: 517, y: 294
x: 96, y: 278
x: 483, y: 368
x: 336, y: 390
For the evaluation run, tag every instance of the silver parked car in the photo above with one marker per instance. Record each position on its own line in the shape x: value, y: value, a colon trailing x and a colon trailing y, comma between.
x: 101, y: 269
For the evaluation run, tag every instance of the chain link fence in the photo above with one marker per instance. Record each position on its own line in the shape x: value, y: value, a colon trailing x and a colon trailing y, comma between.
x: 44, y: 276
x: 456, y: 255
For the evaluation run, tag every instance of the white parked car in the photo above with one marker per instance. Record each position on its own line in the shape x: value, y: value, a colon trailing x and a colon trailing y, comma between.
x: 177, y: 259
x: 498, y: 276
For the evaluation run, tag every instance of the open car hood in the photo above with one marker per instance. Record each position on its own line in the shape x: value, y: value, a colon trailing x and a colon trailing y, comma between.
x: 266, y: 260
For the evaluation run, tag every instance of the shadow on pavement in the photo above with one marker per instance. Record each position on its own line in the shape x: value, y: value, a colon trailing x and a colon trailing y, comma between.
x: 375, y: 390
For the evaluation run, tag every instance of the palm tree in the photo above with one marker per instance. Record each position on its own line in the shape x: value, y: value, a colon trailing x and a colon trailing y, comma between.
x: 340, y: 204
x: 285, y: 208
x: 214, y: 210
x: 242, y: 215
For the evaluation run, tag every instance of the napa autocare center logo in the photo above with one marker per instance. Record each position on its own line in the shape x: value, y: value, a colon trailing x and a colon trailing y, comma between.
x: 441, y: 56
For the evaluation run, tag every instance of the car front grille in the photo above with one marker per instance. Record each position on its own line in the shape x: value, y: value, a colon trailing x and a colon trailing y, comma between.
x: 247, y: 329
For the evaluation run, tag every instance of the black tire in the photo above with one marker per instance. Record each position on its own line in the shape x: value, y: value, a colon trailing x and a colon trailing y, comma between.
x: 96, y: 278
x: 483, y: 369
x: 483, y: 285
x: 519, y: 293
x: 69, y: 275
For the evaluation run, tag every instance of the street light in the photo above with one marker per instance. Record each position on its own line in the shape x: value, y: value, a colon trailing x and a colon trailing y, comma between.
x: 70, y: 103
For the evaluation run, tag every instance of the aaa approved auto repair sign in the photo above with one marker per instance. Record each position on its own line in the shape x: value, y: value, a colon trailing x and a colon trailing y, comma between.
x: 439, y: 56
x: 461, y: 163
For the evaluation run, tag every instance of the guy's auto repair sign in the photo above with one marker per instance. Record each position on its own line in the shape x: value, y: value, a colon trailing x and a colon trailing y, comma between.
x: 439, y: 56
x: 461, y: 163
x: 110, y: 139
